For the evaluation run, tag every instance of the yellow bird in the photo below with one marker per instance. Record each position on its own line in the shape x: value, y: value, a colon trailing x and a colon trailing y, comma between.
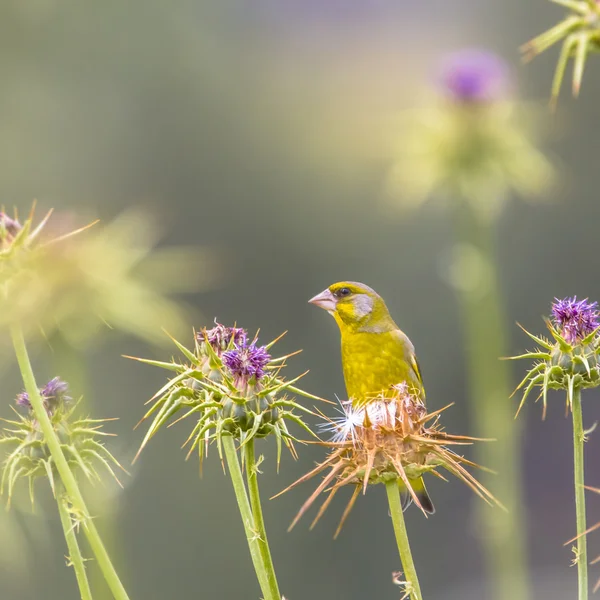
x: 376, y: 353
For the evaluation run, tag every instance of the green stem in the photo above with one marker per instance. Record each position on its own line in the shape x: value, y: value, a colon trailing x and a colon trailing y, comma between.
x: 74, y: 551
x: 578, y: 442
x: 237, y: 479
x: 70, y: 362
x: 66, y: 475
x: 393, y: 494
x: 254, y: 493
x: 503, y: 534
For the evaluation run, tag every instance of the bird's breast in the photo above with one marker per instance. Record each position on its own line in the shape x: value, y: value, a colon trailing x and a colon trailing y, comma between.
x: 372, y: 363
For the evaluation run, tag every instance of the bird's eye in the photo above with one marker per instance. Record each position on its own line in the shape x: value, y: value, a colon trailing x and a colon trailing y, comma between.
x: 342, y: 292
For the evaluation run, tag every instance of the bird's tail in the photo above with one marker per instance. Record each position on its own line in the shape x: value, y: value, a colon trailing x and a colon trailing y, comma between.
x: 418, y: 486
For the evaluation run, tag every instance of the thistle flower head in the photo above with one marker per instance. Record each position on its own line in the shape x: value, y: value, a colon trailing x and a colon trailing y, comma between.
x: 474, y: 76
x: 230, y: 387
x: 247, y: 361
x: 54, y: 395
x: 80, y: 439
x: 77, y: 281
x: 220, y: 337
x: 475, y: 149
x: 570, y: 358
x: 390, y: 438
x: 575, y: 319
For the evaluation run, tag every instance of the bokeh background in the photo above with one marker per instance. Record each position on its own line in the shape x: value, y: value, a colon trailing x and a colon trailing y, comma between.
x: 263, y: 131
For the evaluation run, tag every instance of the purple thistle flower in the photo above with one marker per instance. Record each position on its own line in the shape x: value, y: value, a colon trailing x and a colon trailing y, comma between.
x: 53, y: 394
x: 575, y: 319
x: 12, y: 226
x: 474, y: 76
x: 247, y: 361
x: 219, y: 337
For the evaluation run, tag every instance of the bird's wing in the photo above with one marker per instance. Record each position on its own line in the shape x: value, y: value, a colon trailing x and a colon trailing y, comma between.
x: 414, y: 363
x: 410, y: 356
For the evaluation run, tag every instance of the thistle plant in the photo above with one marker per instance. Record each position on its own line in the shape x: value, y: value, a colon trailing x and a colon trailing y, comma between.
x: 30, y: 459
x: 391, y: 441
x: 473, y: 148
x: 568, y: 361
x: 579, y: 32
x: 64, y: 289
x: 234, y: 392
x: 24, y: 282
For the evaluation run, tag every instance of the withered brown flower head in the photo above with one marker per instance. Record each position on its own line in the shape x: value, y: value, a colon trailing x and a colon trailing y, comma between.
x: 391, y: 438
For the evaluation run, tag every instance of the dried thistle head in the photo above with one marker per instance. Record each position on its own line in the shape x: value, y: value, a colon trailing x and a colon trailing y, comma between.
x: 229, y: 385
x: 29, y: 456
x: 390, y: 438
x: 579, y: 32
x: 571, y: 358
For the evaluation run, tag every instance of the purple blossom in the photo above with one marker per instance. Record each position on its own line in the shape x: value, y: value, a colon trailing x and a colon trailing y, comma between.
x: 247, y: 361
x: 220, y: 337
x: 474, y: 76
x: 12, y: 226
x: 575, y: 319
x: 53, y: 394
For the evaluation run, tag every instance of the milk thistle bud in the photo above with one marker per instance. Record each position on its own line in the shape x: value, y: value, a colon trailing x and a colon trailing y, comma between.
x: 80, y: 440
x: 232, y: 387
x: 392, y: 438
x: 570, y: 359
x: 579, y: 32
x: 54, y: 395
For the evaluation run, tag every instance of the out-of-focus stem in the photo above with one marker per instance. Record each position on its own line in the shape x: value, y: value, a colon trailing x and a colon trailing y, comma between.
x: 237, y: 479
x: 74, y: 551
x: 261, y: 532
x: 502, y: 534
x: 62, y: 466
x: 408, y: 566
x: 578, y: 464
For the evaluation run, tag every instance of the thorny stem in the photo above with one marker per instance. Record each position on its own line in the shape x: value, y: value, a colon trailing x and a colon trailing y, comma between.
x: 578, y: 442
x: 261, y: 532
x: 237, y: 479
x: 75, y: 557
x: 66, y: 475
x: 393, y: 494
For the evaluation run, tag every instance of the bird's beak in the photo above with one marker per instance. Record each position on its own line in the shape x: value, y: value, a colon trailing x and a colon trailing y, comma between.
x: 324, y: 300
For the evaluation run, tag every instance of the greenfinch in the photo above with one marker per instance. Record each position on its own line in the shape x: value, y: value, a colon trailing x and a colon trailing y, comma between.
x: 376, y: 353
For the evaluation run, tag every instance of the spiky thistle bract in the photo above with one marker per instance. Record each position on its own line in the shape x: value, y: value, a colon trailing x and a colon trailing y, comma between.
x: 570, y: 359
x: 80, y: 438
x: 230, y: 386
x: 391, y: 438
x: 580, y: 35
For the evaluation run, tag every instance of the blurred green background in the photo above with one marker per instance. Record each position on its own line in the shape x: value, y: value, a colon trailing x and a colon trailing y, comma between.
x: 263, y: 131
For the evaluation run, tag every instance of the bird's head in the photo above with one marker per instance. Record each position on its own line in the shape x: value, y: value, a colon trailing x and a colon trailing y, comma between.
x: 355, y: 306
